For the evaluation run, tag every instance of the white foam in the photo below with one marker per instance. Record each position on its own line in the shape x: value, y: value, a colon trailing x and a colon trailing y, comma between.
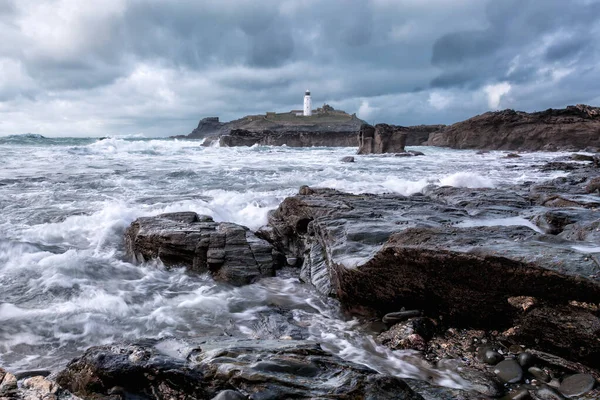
x: 467, y: 180
x: 508, y: 221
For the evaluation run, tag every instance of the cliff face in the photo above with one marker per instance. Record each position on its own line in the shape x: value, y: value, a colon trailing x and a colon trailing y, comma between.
x: 572, y: 128
x: 242, y: 137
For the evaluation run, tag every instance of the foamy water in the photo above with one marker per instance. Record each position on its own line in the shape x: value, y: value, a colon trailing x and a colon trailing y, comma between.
x: 65, y: 203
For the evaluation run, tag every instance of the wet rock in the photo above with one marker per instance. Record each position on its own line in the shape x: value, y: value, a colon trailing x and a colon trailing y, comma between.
x: 434, y: 392
x: 347, y: 159
x: 376, y: 253
x: 29, y: 374
x: 526, y: 360
x: 492, y: 357
x: 593, y: 185
x: 382, y: 138
x: 576, y: 385
x: 259, y: 369
x: 230, y: 252
x: 509, y: 371
x: 512, y: 155
x: 539, y: 374
x: 519, y: 394
x: 582, y: 157
x: 546, y: 393
x: 567, y: 331
x: 395, y: 317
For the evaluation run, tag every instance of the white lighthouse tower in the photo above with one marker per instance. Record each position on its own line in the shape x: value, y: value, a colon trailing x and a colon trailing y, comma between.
x: 307, y: 104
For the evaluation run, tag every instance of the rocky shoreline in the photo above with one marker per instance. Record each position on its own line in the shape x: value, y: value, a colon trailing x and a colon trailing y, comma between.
x: 573, y: 128
x: 499, y: 286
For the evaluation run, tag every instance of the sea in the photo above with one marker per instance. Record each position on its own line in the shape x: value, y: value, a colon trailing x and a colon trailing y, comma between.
x: 66, y: 283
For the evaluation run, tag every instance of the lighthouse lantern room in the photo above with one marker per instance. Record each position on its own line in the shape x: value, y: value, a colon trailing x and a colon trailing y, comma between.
x: 307, y: 104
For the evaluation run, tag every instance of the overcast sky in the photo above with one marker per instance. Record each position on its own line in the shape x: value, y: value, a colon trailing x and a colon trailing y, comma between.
x: 155, y: 67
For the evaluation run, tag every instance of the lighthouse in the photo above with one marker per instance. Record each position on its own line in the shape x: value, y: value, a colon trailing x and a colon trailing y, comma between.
x: 307, y: 104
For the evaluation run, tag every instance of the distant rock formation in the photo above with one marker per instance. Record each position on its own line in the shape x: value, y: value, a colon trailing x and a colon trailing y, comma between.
x: 384, y: 138
x: 572, y: 128
x: 326, y: 127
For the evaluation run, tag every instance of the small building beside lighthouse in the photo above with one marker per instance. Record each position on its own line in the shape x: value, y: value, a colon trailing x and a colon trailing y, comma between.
x: 307, y: 104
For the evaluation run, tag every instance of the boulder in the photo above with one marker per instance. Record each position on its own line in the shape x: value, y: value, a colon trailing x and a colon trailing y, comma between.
x: 255, y: 369
x: 574, y: 127
x: 380, y: 253
x: 230, y: 252
x: 382, y: 138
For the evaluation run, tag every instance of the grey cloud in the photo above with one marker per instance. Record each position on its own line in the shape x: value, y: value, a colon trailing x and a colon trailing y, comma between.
x: 246, y: 56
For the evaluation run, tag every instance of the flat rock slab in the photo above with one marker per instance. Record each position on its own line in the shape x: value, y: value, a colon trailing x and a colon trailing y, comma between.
x: 380, y: 253
x: 255, y: 369
x: 230, y: 252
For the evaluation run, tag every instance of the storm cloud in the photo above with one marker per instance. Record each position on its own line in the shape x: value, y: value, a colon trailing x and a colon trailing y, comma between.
x: 154, y: 67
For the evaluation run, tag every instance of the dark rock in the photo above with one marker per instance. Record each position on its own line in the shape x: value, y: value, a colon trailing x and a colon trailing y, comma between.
x: 546, y: 393
x: 395, y: 317
x: 509, y: 371
x: 29, y: 374
x: 526, y: 360
x: 539, y: 374
x: 512, y: 155
x: 593, y: 185
x: 230, y: 252
x: 331, y: 128
x: 347, y: 159
x: 567, y: 331
x: 291, y: 138
x: 381, y: 138
x: 574, y: 127
x: 416, y: 153
x: 492, y: 357
x: 582, y: 157
x: 419, y: 134
x: 259, y: 369
x: 206, y: 127
x: 434, y: 392
x: 576, y: 385
x: 376, y: 254
x: 519, y: 394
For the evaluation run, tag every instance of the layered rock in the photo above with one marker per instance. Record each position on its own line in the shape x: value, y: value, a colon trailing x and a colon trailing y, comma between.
x: 230, y: 252
x: 384, y: 138
x: 381, y: 138
x: 231, y: 370
x: 434, y: 252
x: 291, y: 138
x: 575, y: 127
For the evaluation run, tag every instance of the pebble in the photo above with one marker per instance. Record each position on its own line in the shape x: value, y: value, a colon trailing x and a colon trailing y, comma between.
x: 400, y: 316
x: 520, y: 394
x: 547, y: 393
x: 509, y: 371
x: 576, y: 385
x: 492, y: 357
x: 539, y: 374
x: 526, y: 359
